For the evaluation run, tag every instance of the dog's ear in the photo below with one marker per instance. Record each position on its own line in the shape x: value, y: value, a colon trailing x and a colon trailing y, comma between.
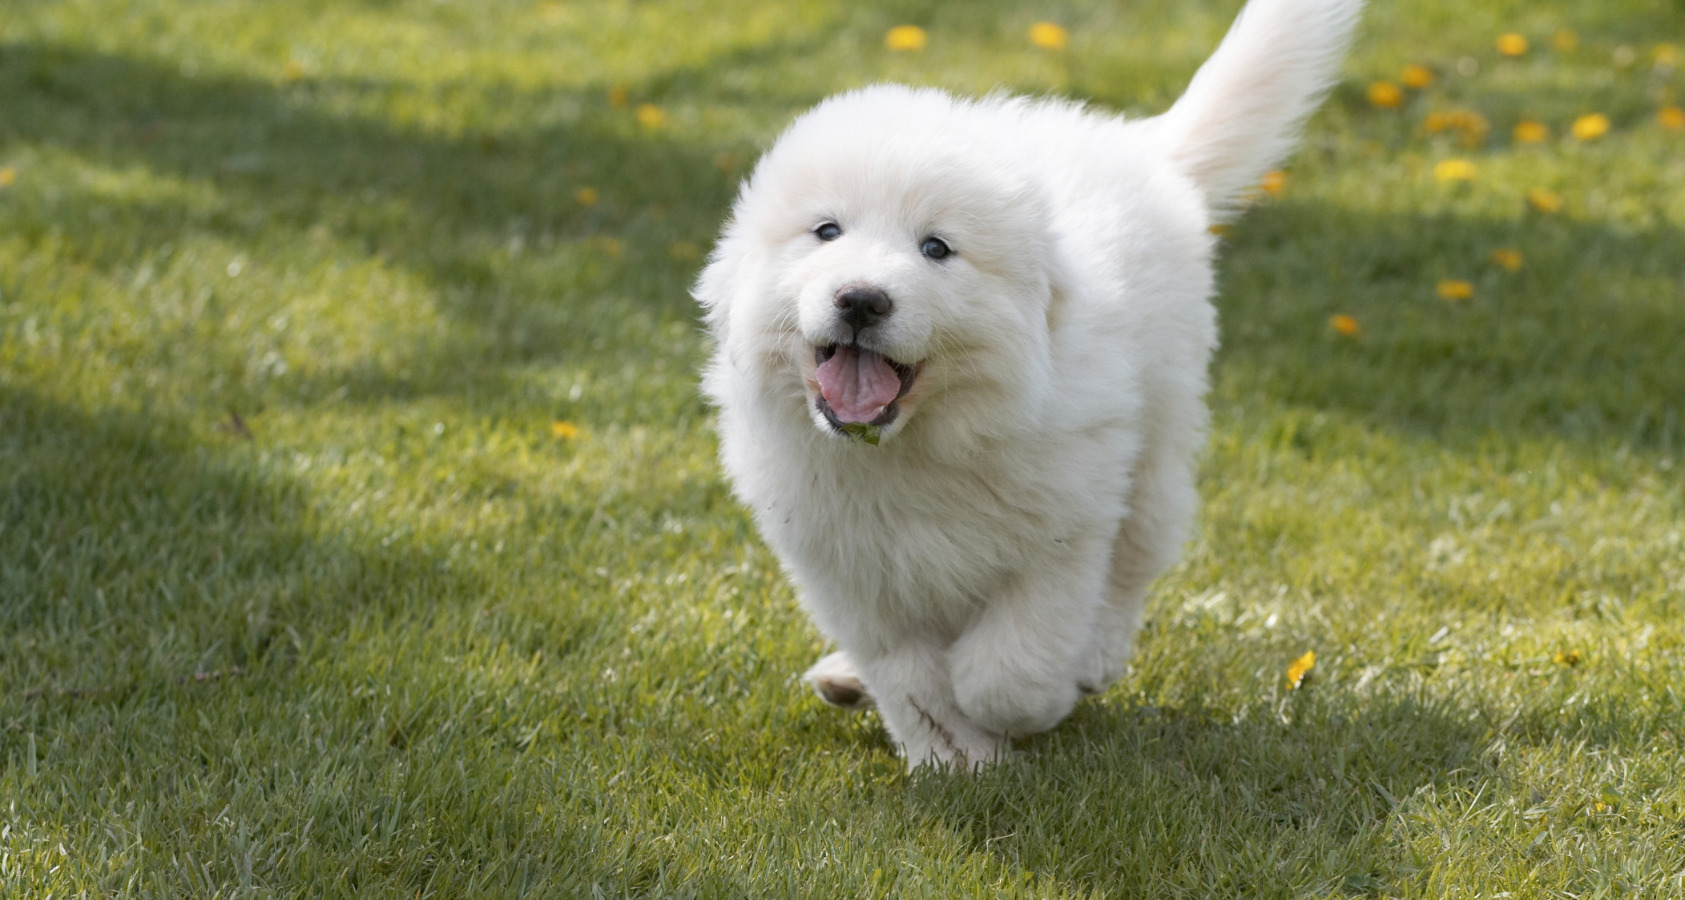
x: 1243, y: 110
x: 719, y: 280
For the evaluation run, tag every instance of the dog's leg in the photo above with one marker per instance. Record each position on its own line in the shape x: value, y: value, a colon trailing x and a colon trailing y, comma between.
x: 1162, y: 501
x: 836, y: 681
x: 921, y: 714
x: 1138, y: 557
x: 1016, y: 670
x: 1118, y: 620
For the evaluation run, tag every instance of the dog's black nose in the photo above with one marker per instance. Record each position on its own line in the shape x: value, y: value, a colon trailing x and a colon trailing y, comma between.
x: 863, y: 306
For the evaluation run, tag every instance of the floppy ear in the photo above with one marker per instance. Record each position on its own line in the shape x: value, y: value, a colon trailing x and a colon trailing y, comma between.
x: 720, y: 279
x: 1242, y: 112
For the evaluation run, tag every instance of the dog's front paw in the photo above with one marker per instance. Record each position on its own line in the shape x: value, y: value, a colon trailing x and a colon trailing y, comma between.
x: 1000, y: 698
x: 836, y: 682
x: 956, y: 744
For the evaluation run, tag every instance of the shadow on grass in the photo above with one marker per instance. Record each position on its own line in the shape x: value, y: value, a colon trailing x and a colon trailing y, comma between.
x: 1137, y: 800
x: 182, y: 651
x: 1306, y: 794
x: 119, y: 531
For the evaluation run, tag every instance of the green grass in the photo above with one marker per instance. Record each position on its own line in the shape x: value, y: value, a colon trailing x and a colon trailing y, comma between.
x: 301, y: 595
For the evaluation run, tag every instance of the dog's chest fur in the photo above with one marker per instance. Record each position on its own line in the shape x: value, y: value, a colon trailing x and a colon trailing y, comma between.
x: 898, y: 534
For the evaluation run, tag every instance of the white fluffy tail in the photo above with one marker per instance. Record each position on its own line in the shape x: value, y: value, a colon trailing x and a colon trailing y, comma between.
x: 1242, y: 113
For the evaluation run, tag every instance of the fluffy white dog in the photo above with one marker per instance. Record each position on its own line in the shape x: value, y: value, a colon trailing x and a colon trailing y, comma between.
x: 961, y: 353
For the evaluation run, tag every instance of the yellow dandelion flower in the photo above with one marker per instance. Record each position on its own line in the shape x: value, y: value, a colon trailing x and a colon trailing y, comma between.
x: 1528, y: 131
x: 618, y: 96
x: 1049, y: 36
x: 1454, y: 170
x: 1508, y: 258
x: 586, y: 196
x: 1567, y: 658
x: 8, y: 175
x: 1416, y: 77
x: 1219, y: 229
x: 1437, y: 122
x: 1666, y: 55
x: 1299, y: 668
x: 1671, y: 117
x: 1385, y: 94
x: 1275, y: 181
x: 1512, y: 44
x: 1454, y: 289
x: 1345, y: 325
x: 906, y: 37
x: 292, y: 71
x: 684, y: 250
x: 651, y: 116
x: 563, y: 430
x: 1565, y: 40
x: 1544, y: 201
x: 1590, y: 127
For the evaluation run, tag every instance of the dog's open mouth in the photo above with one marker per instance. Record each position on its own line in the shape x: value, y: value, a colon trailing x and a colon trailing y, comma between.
x: 859, y: 386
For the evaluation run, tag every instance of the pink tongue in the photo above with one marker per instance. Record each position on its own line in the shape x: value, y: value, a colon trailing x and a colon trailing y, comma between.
x: 858, y: 384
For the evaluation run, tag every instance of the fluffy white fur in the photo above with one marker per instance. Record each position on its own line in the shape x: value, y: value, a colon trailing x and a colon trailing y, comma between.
x: 984, y: 565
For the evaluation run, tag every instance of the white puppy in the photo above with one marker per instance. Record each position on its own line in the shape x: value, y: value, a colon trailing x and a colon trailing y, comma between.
x: 961, y: 353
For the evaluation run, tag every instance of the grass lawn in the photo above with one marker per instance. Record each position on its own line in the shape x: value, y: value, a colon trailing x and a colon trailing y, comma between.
x: 361, y: 534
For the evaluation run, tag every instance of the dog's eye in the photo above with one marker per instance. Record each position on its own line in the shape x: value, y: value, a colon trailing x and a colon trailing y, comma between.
x: 935, y: 248
x: 829, y: 231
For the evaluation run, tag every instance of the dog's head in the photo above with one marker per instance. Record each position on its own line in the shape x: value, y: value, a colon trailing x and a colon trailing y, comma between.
x: 885, y: 253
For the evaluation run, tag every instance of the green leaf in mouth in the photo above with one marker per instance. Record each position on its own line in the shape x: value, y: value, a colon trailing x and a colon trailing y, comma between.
x: 871, y: 434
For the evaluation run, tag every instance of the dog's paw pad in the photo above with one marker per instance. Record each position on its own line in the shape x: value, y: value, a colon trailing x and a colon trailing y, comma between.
x: 834, y: 680
x: 848, y: 694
